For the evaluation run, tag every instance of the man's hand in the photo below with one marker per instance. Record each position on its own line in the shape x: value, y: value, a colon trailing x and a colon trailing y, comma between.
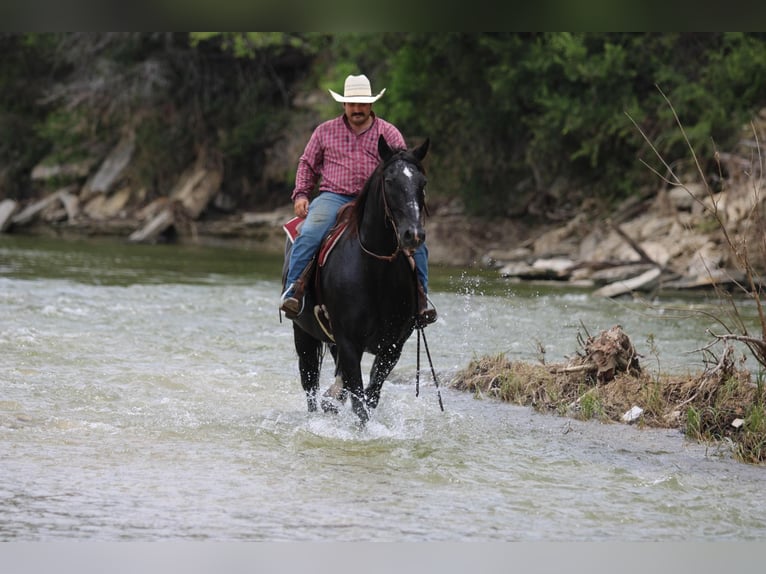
x: 301, y: 207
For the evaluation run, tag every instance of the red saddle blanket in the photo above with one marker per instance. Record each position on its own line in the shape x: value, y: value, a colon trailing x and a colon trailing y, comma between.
x: 293, y: 227
x: 293, y: 230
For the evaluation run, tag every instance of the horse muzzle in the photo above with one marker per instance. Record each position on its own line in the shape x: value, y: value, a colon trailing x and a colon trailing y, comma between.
x: 412, y: 238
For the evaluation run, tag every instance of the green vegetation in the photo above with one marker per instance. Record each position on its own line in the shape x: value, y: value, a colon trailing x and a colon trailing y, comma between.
x: 521, y: 123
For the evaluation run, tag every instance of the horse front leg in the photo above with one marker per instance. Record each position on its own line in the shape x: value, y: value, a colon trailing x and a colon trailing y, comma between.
x: 349, y: 362
x: 336, y: 394
x: 309, y: 352
x: 382, y: 366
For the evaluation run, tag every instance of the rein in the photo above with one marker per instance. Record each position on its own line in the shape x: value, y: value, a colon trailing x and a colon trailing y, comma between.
x: 422, y: 333
x: 390, y: 218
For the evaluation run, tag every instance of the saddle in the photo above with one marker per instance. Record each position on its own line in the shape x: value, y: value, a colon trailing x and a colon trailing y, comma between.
x: 292, y: 229
x: 312, y: 272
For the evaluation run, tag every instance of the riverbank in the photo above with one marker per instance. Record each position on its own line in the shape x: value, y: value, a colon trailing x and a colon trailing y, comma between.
x: 721, y: 406
x: 679, y: 238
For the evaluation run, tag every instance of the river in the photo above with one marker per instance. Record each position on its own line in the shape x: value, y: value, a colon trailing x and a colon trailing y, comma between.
x: 150, y: 393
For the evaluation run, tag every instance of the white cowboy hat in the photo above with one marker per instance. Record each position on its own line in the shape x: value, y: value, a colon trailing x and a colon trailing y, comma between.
x: 357, y: 89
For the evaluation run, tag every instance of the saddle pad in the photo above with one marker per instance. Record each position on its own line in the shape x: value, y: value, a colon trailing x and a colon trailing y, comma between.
x: 293, y: 227
x: 293, y: 230
x: 330, y: 241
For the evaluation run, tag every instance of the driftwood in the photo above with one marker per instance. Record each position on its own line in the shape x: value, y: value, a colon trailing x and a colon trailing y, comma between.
x: 156, y: 226
x: 604, y: 356
x: 643, y: 281
x: 7, y: 208
x: 113, y: 168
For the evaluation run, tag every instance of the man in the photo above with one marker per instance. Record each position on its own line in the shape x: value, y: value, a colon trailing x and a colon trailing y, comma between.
x: 341, y: 155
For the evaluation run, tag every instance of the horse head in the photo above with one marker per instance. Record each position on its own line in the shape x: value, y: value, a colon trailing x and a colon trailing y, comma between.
x: 403, y: 187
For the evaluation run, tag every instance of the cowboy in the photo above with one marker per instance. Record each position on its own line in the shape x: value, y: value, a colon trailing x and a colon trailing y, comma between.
x: 341, y: 155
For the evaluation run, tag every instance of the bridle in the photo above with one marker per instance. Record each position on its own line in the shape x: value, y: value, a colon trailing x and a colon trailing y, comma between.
x: 390, y: 218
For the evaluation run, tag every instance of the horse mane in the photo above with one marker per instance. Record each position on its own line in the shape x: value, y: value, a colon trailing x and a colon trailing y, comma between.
x: 373, y: 182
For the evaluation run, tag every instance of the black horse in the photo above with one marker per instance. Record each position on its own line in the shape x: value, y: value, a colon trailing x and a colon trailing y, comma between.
x: 366, y: 292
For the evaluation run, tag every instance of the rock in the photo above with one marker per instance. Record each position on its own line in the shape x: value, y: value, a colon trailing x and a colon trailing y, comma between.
x: 67, y: 171
x: 683, y: 198
x: 517, y: 269
x: 103, y: 206
x: 719, y: 277
x: 555, y: 267
x: 556, y: 242
x: 493, y: 256
x: 633, y: 414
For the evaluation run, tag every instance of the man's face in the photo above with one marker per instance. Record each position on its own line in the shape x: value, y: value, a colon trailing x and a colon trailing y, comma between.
x: 357, y: 114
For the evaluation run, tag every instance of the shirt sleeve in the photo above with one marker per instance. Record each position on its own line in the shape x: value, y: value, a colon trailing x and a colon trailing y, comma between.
x: 309, y: 167
x: 393, y: 136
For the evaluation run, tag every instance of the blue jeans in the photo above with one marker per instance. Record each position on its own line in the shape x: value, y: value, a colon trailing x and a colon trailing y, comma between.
x: 321, y: 218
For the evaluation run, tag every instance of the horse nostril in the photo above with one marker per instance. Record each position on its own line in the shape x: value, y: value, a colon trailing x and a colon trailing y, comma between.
x: 413, y: 237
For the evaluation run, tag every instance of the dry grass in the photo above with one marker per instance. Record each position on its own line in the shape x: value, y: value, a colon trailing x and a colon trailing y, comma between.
x: 707, y: 406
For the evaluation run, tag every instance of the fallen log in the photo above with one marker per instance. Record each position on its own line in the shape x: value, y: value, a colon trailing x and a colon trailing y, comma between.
x: 8, y: 208
x: 151, y: 232
x: 644, y: 282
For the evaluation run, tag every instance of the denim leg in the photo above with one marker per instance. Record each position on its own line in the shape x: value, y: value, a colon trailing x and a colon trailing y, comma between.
x: 321, y: 217
x: 421, y: 265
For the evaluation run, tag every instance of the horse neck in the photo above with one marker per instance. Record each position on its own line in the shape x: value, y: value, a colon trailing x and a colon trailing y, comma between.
x: 376, y: 232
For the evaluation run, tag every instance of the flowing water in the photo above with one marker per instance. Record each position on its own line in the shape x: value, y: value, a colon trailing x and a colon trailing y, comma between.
x: 151, y: 393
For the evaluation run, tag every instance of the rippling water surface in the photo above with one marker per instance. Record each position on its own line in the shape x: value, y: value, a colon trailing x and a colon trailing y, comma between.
x: 151, y: 393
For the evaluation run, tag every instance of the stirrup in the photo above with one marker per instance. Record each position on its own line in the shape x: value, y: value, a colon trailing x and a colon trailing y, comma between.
x: 426, y: 315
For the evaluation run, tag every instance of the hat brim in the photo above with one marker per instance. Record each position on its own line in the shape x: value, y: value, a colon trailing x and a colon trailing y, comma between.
x: 356, y: 99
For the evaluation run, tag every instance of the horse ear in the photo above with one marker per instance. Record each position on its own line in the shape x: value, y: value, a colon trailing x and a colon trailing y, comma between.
x: 421, y: 151
x: 384, y: 150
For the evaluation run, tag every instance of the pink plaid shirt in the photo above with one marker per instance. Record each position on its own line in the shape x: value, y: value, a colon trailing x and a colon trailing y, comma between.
x: 340, y: 158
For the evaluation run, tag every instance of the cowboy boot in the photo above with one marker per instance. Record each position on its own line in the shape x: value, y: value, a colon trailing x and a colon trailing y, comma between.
x: 291, y: 302
x: 426, y: 311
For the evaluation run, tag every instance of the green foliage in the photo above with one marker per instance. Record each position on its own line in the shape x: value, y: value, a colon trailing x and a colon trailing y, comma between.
x: 252, y: 44
x: 163, y: 150
x: 22, y: 80
x: 520, y: 123
x: 590, y: 405
x: 226, y: 95
x: 512, y: 113
x: 694, y: 423
x: 69, y: 134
